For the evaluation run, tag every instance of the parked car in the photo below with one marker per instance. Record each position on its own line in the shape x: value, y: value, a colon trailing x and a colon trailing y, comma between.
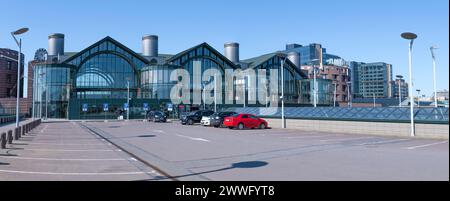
x: 157, y: 116
x: 206, y: 121
x: 195, y: 117
x: 217, y: 118
x: 241, y: 121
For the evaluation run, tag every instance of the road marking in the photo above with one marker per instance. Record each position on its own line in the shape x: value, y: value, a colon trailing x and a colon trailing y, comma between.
x: 133, y: 159
x: 193, y: 138
x: 62, y: 143
x: 65, y: 159
x: 304, y: 137
x: 427, y: 145
x: 345, y: 139
x: 69, y: 149
x: 381, y: 142
x: 158, y: 131
x: 45, y: 127
x: 76, y: 173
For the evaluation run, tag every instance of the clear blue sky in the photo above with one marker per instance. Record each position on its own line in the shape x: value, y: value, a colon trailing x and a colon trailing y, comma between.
x: 367, y: 31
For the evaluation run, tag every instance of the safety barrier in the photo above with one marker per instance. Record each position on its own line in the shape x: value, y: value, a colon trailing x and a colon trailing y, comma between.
x: 8, y: 137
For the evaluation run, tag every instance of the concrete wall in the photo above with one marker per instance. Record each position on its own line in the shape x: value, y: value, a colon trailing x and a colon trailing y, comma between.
x: 434, y: 131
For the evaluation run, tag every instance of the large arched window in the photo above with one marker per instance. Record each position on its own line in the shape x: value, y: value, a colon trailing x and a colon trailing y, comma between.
x: 103, y: 74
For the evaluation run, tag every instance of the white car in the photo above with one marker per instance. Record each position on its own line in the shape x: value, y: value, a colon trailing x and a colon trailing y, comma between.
x: 206, y: 121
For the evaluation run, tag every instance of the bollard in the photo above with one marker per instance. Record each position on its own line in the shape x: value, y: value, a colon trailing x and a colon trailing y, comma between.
x: 3, y: 141
x: 10, y: 137
x: 16, y: 133
x: 23, y: 130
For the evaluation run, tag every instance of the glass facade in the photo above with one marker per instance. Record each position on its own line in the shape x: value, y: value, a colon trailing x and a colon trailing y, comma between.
x: 52, y: 85
x: 105, y: 76
x: 108, y: 72
x: 291, y: 78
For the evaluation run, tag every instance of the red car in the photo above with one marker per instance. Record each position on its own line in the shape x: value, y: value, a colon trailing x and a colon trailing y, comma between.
x: 242, y: 121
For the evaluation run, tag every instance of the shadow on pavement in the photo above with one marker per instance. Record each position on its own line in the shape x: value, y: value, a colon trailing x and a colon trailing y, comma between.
x: 246, y: 164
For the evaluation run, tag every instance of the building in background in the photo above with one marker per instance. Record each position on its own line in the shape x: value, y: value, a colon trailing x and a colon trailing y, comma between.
x: 442, y: 95
x: 372, y: 80
x: 8, y: 83
x: 399, y: 82
x: 8, y: 73
x: 307, y: 53
x: 338, y: 75
x: 325, y: 89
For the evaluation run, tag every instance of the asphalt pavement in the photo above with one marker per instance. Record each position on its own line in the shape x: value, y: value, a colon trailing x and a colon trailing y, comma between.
x: 136, y: 150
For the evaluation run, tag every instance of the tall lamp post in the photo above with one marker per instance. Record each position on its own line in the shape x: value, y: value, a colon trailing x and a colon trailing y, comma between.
x: 400, y: 77
x: 410, y: 36
x: 19, y: 65
x: 215, y: 92
x: 418, y: 97
x: 128, y: 98
x: 349, y: 94
x: 204, y: 94
x: 374, y: 100
x: 283, y: 124
x: 314, y: 82
x: 334, y: 96
x: 432, y: 48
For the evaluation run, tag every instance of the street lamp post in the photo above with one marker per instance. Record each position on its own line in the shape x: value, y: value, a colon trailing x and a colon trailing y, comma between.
x: 418, y: 97
x: 19, y: 44
x: 267, y: 91
x: 244, y: 89
x: 399, y: 90
x: 410, y: 37
x: 283, y: 124
x: 334, y: 97
x: 46, y: 103
x: 348, y: 94
x: 204, y: 94
x: 432, y: 48
x: 314, y: 82
x: 215, y: 92
x: 128, y: 98
x: 374, y: 102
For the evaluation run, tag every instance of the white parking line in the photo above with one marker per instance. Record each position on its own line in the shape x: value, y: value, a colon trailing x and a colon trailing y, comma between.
x: 45, y: 143
x: 345, y: 139
x: 158, y: 131
x: 382, y: 142
x: 426, y: 145
x: 301, y: 137
x: 45, y: 127
x: 65, y: 159
x: 193, y: 138
x: 75, y: 173
x: 68, y: 150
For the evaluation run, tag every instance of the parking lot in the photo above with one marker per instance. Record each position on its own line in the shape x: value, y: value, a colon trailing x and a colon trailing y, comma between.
x: 137, y: 150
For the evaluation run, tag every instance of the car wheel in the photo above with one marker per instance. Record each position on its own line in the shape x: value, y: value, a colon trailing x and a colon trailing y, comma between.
x: 262, y: 126
x: 216, y: 126
x: 230, y: 127
x: 240, y: 126
x: 190, y: 122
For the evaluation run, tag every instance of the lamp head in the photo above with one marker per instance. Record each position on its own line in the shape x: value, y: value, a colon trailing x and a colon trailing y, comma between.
x: 409, y: 35
x: 20, y: 31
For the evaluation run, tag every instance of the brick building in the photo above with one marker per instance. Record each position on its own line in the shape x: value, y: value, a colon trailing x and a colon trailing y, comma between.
x: 338, y: 75
x: 8, y: 83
